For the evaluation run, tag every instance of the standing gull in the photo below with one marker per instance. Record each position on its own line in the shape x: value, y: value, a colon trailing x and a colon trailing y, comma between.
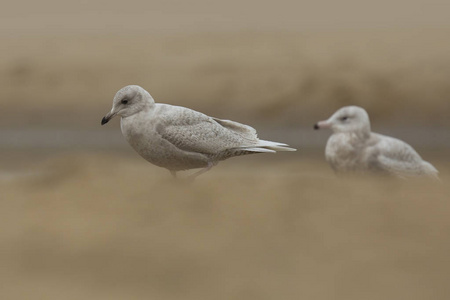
x: 353, y: 147
x: 179, y: 138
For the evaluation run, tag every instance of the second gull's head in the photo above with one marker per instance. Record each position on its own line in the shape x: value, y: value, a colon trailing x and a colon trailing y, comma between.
x: 347, y: 119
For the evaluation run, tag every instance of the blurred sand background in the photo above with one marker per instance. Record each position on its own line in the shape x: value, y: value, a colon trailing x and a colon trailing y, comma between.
x: 84, y: 217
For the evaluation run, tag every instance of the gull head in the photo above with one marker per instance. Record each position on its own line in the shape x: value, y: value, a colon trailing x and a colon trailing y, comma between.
x: 347, y: 119
x: 129, y: 101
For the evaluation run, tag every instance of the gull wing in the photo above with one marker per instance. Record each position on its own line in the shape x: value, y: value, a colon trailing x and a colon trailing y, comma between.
x: 193, y: 131
x: 397, y: 157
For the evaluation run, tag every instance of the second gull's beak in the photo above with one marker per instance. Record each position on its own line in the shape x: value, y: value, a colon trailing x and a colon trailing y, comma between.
x: 322, y: 124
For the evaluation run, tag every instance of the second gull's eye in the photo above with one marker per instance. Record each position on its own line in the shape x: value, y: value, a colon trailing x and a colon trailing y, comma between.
x: 124, y: 101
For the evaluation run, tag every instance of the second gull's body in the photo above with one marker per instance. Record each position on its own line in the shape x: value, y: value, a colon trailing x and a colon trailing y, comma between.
x: 353, y: 147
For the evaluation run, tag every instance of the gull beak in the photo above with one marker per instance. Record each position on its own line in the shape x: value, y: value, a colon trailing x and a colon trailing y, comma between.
x: 108, y: 117
x: 322, y: 124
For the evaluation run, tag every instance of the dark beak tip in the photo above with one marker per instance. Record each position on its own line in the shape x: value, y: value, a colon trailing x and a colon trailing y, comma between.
x: 104, y: 120
x: 316, y: 127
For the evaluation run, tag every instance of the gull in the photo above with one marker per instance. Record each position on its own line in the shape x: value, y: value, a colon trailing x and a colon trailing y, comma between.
x: 353, y: 147
x: 179, y: 138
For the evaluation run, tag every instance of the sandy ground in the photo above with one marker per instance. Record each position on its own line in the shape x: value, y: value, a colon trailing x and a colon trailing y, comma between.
x: 107, y: 225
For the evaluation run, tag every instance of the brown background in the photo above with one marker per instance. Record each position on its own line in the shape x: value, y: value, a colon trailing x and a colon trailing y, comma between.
x: 84, y: 217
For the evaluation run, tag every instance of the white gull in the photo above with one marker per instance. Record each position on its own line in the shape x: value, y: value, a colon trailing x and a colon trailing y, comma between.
x: 179, y: 138
x: 353, y: 147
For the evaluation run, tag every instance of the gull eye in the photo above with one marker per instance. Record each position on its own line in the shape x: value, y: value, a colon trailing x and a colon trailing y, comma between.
x: 344, y: 118
x: 124, y: 101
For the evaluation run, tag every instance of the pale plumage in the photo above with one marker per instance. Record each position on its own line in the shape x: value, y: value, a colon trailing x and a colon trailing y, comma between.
x: 353, y: 147
x: 179, y: 138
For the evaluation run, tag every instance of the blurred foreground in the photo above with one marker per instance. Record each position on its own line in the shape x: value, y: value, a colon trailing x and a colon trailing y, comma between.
x: 108, y: 225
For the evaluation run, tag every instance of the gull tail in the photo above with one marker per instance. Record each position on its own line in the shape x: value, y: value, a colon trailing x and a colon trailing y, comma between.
x: 430, y: 170
x: 270, y: 147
